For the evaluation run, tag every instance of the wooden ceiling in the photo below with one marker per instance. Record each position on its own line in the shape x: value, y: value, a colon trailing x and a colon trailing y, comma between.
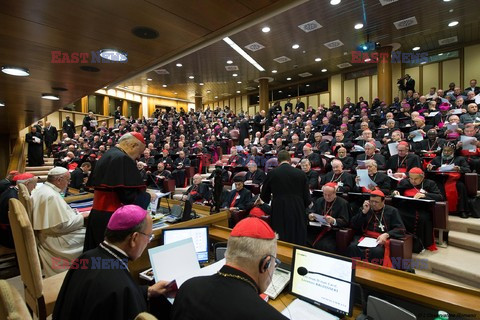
x: 208, y: 65
x: 32, y: 29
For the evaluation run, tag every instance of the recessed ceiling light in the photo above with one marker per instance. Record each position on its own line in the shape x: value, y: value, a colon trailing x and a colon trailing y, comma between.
x: 416, y: 48
x: 318, y: 59
x: 164, y: 85
x: 191, y: 77
x: 239, y: 82
x: 2, y: 104
x: 266, y: 29
x: 453, y: 23
x: 335, y: 2
x: 234, y: 75
x: 440, y: 54
x: 149, y: 79
x: 216, y: 97
x: 229, y: 61
x: 241, y: 52
x: 175, y: 93
x: 324, y: 70
x: 295, y: 46
x: 113, y: 55
x: 50, y: 96
x: 307, y: 85
x: 238, y: 91
x: 280, y: 91
x: 289, y: 95
x: 16, y: 71
x: 208, y: 91
x: 368, y: 60
x: 447, y: 0
x: 289, y: 79
x: 274, y: 71
x: 358, y: 26
x: 179, y: 65
x: 201, y: 83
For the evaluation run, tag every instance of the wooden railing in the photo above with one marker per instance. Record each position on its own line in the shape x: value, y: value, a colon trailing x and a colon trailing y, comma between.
x: 18, y: 156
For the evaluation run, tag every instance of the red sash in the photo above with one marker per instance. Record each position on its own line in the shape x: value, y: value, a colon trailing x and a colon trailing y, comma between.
x: 401, y: 170
x: 105, y: 201
x: 451, y: 190
x: 386, y: 255
x: 234, y: 199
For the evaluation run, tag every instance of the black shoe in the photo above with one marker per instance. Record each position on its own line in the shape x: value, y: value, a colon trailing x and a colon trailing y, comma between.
x: 463, y: 215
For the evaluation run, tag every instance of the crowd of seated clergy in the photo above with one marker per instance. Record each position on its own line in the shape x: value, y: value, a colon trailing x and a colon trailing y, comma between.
x: 436, y: 133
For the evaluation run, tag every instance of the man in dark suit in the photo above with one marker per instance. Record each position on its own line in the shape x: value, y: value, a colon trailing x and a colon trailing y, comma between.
x: 291, y: 196
x: 255, y: 175
x: 50, y: 135
x: 473, y: 87
x: 258, y: 122
x: 410, y: 83
x: 79, y: 174
x: 238, y: 199
x: 68, y: 127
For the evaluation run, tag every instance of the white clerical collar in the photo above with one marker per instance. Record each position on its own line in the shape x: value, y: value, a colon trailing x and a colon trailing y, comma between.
x: 116, y: 248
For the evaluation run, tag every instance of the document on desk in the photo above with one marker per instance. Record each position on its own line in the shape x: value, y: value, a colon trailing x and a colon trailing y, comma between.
x: 301, y: 310
x: 365, y: 180
x: 446, y: 168
x: 412, y: 199
x: 368, y: 242
x: 174, y: 261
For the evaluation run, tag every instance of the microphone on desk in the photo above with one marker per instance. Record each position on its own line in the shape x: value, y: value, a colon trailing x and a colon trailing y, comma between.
x: 302, y: 271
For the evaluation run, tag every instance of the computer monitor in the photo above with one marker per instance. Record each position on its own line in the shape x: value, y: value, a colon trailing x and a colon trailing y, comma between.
x: 199, y: 236
x: 323, y: 279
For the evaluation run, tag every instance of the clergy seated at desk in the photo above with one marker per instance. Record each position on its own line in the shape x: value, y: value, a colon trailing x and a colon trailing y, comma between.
x: 157, y: 177
x: 450, y: 182
x: 198, y: 191
x: 255, y: 175
x: 101, y: 286
x: 234, y: 159
x: 59, y: 229
x: 346, y: 160
x: 343, y: 179
x: 238, y: 199
x: 379, y: 221
x: 336, y: 211
x: 312, y: 176
x: 233, y: 292
x: 179, y: 172
x: 403, y: 161
x: 419, y: 221
x: 371, y: 155
x: 79, y: 176
x: 381, y: 180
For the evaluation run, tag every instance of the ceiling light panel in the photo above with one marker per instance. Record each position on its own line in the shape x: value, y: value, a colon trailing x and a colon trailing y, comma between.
x: 310, y: 26
x: 282, y: 59
x: 254, y: 46
x: 333, y: 44
x: 405, y: 23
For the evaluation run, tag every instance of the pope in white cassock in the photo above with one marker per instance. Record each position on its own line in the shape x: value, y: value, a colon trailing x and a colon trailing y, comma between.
x: 59, y: 229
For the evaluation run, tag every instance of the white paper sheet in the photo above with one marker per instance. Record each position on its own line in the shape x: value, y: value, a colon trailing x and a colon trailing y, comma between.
x: 452, y: 126
x: 365, y: 180
x: 301, y: 310
x: 392, y: 148
x: 368, y: 242
x: 432, y: 114
x: 417, y: 135
x: 457, y: 111
x: 410, y: 198
x: 358, y: 148
x: 321, y: 219
x: 446, y: 167
x: 468, y: 143
x: 477, y: 98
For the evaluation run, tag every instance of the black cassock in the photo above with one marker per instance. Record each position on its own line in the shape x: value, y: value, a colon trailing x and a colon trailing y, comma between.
x: 233, y: 296
x: 35, y: 150
x: 417, y: 215
x: 324, y: 238
x: 117, y: 182
x: 392, y: 224
x: 291, y: 196
x: 104, y: 290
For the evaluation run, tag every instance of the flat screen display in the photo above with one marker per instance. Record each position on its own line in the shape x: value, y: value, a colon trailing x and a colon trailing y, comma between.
x: 199, y: 236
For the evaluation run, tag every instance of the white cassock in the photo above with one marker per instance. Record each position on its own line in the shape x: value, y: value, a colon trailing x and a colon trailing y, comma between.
x: 58, y: 228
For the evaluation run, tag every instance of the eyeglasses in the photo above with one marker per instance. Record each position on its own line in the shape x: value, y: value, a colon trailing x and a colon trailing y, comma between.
x: 150, y: 236
x: 277, y: 261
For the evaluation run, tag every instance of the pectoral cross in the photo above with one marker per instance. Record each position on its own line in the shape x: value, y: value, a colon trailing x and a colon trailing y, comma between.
x: 381, y: 227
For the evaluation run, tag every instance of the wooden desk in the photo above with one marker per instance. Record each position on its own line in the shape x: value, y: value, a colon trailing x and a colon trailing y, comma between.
x: 411, y: 287
x: 205, y: 219
x: 75, y: 197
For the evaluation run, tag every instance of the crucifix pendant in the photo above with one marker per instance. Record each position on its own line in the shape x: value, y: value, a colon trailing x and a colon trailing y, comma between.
x: 381, y: 227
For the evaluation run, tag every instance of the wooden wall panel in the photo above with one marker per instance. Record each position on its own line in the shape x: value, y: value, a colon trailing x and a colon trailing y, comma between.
x: 363, y: 89
x: 471, y: 64
x: 348, y: 91
x: 430, y: 77
x: 375, y: 88
x: 450, y: 73
x: 336, y: 89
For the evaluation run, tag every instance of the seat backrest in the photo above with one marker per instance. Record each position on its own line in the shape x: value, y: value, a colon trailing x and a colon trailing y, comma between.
x: 12, y: 305
x: 379, y: 309
x: 26, y: 247
x: 26, y: 200
x: 271, y: 163
x: 240, y: 174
